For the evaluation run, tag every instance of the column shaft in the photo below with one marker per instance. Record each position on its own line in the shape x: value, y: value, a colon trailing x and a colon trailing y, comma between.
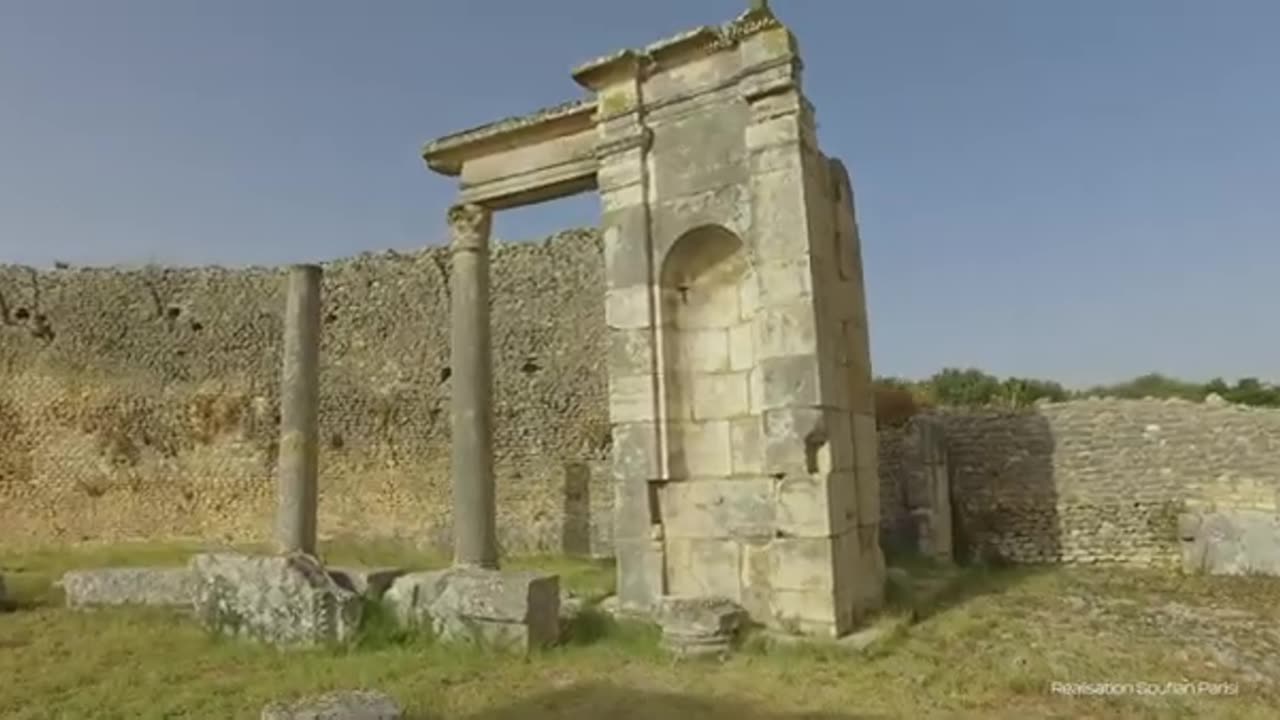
x: 299, y: 414
x: 474, y: 495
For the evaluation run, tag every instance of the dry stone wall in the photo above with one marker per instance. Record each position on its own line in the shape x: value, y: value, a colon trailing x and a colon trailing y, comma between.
x: 1099, y: 480
x: 143, y: 403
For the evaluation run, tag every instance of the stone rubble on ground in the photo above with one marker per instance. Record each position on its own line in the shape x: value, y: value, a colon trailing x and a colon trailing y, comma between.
x: 285, y: 600
x: 110, y: 587
x: 342, y: 705
x: 516, y: 611
x: 699, y: 626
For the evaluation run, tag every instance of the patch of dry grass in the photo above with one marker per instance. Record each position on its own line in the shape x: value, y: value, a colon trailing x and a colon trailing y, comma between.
x: 980, y: 643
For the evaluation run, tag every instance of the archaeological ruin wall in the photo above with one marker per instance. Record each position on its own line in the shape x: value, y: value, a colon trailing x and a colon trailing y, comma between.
x: 143, y: 403
x: 1097, y: 481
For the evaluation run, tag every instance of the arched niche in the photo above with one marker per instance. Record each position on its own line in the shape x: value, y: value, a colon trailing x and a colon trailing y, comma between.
x: 706, y: 306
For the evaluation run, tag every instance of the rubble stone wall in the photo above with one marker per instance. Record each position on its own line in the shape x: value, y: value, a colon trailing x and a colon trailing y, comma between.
x: 1091, y: 481
x: 143, y: 403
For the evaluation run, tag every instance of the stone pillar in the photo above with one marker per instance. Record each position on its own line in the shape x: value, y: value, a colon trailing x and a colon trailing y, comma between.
x: 474, y: 501
x: 299, y: 414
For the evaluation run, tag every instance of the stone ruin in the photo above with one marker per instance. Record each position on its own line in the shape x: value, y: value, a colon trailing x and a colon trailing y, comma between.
x: 744, y: 446
x: 744, y: 439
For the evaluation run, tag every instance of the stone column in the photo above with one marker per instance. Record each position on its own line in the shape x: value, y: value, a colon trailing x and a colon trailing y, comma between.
x: 299, y: 414
x: 474, y: 501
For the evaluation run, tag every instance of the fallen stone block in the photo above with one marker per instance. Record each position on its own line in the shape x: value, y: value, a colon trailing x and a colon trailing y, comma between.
x: 343, y: 705
x: 699, y: 626
x: 369, y: 582
x: 111, y: 587
x: 516, y: 611
x: 281, y: 600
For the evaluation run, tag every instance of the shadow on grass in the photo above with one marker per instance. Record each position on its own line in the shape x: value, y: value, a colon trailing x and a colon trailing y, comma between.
x: 921, y: 588
x: 594, y: 701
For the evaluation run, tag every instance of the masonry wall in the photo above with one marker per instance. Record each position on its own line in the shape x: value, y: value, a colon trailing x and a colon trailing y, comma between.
x: 1092, y: 480
x: 143, y: 404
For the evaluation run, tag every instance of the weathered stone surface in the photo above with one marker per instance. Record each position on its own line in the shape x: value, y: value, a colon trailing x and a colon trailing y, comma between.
x: 105, y: 587
x: 699, y: 626
x: 342, y: 705
x: 510, y: 610
x: 282, y: 600
x: 1232, y: 542
x: 369, y: 582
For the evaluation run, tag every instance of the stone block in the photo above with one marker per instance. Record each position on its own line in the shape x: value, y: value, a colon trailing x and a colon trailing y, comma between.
x: 742, y: 354
x: 634, y: 451
x: 704, y: 567
x: 282, y: 600
x: 807, y: 612
x: 746, y: 438
x: 790, y: 381
x: 626, y: 262
x: 781, y: 331
x: 796, y: 441
x: 640, y: 573
x: 787, y: 282
x: 507, y: 610
x: 703, y: 350
x: 803, y: 563
x: 107, y: 587
x: 627, y: 308
x: 740, y: 507
x: 816, y: 505
x: 369, y: 582
x: 632, y: 398
x: 701, y: 449
x: 341, y: 705
x: 631, y: 352
x: 720, y: 396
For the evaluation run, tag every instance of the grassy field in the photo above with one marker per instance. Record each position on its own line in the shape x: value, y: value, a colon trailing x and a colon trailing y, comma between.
x: 991, y: 644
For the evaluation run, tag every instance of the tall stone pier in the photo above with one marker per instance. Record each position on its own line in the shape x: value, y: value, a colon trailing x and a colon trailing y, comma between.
x: 474, y: 498
x: 299, y: 414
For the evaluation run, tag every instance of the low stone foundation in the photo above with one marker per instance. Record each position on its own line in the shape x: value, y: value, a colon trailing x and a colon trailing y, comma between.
x: 282, y: 600
x: 516, y: 611
x: 110, y: 587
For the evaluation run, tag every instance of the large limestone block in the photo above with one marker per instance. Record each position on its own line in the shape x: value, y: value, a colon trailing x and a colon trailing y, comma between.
x: 107, y: 587
x: 342, y: 705
x: 286, y: 600
x: 507, y: 610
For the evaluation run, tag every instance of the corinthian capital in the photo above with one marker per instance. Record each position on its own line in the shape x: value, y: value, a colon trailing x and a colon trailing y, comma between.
x: 469, y: 224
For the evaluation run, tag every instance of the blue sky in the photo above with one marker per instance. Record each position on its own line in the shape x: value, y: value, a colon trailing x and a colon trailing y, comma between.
x: 1081, y: 190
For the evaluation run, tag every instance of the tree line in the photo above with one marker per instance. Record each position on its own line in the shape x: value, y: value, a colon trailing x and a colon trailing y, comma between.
x: 898, y: 399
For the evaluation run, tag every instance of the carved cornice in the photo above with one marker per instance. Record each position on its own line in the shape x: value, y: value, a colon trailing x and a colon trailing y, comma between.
x: 446, y: 154
x: 677, y: 49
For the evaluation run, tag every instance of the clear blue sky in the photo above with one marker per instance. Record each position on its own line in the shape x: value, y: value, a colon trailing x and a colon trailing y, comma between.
x: 1081, y: 190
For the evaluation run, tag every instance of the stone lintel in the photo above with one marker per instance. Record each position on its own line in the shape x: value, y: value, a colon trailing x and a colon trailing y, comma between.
x: 446, y: 155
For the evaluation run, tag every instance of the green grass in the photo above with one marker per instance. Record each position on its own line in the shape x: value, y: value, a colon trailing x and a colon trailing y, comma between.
x: 981, y: 642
